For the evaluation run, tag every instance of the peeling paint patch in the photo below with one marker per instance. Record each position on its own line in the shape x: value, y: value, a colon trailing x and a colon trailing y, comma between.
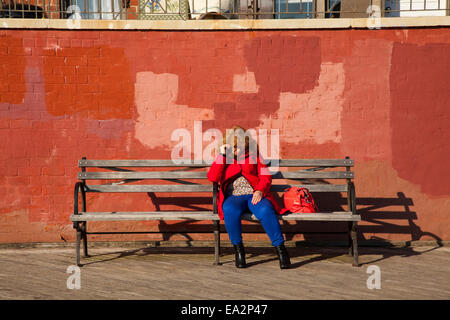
x: 109, y: 129
x: 245, y: 82
x: 94, y: 82
x: 366, y: 122
x: 419, y: 115
x: 12, y: 70
x: 301, y: 117
x: 158, y: 114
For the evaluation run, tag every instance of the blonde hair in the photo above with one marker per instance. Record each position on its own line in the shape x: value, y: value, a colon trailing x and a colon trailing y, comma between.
x: 235, y: 133
x: 237, y: 136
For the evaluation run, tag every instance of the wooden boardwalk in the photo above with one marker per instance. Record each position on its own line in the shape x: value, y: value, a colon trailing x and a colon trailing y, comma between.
x: 188, y: 273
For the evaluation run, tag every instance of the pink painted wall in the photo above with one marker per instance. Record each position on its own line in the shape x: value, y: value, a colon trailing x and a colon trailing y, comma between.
x: 378, y: 96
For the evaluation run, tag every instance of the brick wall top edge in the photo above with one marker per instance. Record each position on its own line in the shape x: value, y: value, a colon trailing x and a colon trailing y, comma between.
x: 264, y: 24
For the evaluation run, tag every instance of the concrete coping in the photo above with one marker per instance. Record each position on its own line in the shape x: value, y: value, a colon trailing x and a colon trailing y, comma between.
x: 199, y: 25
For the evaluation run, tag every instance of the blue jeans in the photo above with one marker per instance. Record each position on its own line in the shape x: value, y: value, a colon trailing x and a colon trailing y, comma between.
x: 234, y: 206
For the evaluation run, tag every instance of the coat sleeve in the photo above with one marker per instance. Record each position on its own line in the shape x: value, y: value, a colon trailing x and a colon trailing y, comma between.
x: 216, y: 170
x: 265, y: 178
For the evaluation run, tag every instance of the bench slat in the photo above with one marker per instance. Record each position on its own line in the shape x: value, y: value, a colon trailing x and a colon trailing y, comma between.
x: 312, y: 187
x: 205, y: 188
x: 313, y: 175
x: 315, y: 162
x: 202, y: 175
x: 150, y: 188
x: 320, y: 216
x: 170, y: 163
x: 156, y: 215
x: 142, y: 175
x: 207, y: 215
x: 138, y: 163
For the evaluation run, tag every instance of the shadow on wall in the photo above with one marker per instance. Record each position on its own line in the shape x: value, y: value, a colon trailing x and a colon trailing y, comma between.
x: 181, y: 227
x: 373, y: 214
x: 385, y: 215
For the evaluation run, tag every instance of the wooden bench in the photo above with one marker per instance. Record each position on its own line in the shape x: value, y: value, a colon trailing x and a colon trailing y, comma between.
x: 121, y: 176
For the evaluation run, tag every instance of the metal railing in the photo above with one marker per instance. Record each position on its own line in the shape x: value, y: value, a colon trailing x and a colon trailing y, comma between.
x: 219, y: 9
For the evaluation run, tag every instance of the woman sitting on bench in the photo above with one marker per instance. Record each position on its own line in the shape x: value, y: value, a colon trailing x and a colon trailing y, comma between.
x: 245, y: 186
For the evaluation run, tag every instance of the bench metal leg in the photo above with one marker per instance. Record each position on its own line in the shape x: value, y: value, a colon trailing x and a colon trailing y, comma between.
x: 350, y: 240
x: 84, y: 237
x: 77, y: 247
x: 216, y: 242
x: 354, y: 244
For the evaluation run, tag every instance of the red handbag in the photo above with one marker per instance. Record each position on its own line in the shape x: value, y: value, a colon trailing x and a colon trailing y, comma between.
x: 298, y: 200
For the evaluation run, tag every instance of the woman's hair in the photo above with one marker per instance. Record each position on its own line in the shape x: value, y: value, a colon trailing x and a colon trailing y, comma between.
x: 236, y: 136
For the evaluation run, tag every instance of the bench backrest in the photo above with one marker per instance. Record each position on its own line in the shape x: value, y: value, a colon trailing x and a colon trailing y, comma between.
x: 314, y: 174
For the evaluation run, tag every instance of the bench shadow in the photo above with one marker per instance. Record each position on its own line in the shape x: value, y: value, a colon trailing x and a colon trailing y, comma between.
x: 227, y: 254
x: 256, y: 255
x: 187, y: 203
x: 121, y: 254
x: 311, y: 254
x: 378, y: 215
x: 382, y: 216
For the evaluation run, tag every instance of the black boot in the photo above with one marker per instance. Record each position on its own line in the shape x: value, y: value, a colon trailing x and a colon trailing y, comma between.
x: 283, y: 256
x: 239, y: 256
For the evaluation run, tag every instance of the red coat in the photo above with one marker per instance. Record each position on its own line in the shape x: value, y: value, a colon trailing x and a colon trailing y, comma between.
x: 253, y: 171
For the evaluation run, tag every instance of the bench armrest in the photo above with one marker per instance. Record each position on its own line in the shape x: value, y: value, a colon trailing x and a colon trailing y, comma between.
x: 79, y: 186
x: 352, y: 194
x: 215, y: 191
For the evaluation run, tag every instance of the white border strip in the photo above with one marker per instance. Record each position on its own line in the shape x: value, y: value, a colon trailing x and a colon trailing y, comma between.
x: 264, y: 24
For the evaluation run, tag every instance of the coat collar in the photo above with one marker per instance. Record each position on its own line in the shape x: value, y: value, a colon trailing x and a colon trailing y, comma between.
x: 245, y: 157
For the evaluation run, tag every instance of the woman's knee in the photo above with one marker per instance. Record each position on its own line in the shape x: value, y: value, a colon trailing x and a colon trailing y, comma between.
x: 264, y: 210
x: 231, y: 208
x: 228, y: 207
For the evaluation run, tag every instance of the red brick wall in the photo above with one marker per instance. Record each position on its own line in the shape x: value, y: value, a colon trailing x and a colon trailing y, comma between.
x: 378, y: 96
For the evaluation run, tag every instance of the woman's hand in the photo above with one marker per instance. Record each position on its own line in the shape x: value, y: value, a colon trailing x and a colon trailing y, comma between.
x: 257, y: 196
x: 223, y: 148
